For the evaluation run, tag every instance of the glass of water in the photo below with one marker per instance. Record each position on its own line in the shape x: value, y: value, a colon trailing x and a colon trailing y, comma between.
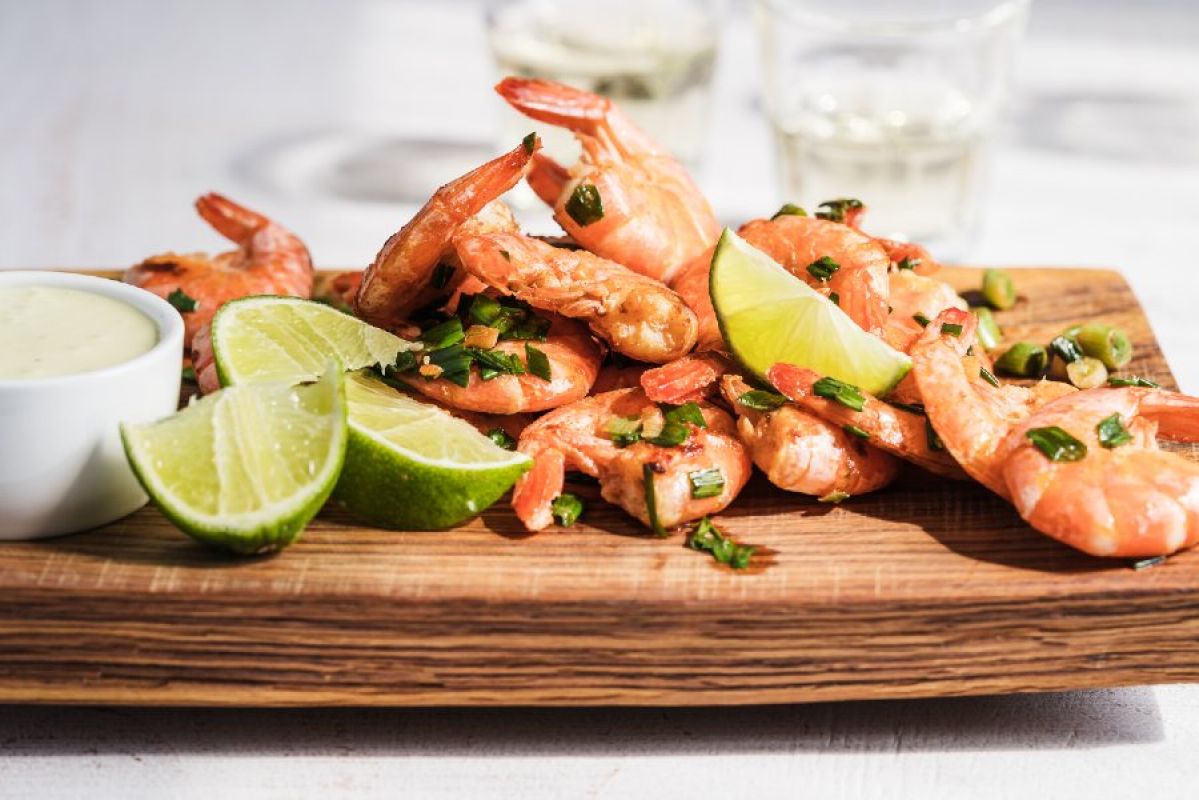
x: 654, y: 58
x: 893, y: 102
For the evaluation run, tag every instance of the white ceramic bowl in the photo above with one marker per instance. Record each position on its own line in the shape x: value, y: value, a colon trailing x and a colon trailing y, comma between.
x: 62, y: 466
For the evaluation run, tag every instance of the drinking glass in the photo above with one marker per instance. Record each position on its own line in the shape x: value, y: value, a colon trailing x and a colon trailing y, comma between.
x: 893, y: 102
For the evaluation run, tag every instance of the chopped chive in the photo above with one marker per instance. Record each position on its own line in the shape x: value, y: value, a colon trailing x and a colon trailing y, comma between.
x: 835, y: 298
x: 921, y: 320
x: 501, y: 438
x: 908, y: 263
x: 506, y: 255
x: 988, y: 376
x: 836, y: 209
x: 455, y: 363
x: 998, y: 289
x: 485, y: 310
x: 188, y: 374
x: 759, y: 400
x: 706, y: 483
x: 441, y: 276
x: 934, y: 440
x: 182, y: 302
x: 1112, y: 432
x: 1146, y: 563
x: 672, y: 434
x: 1132, y: 380
x: 497, y: 362
x: 836, y: 497
x: 1056, y: 444
x: 529, y: 142
x: 687, y: 412
x: 845, y: 394
x: 1066, y: 349
x: 538, y: 363
x: 1023, y: 360
x: 911, y: 408
x: 529, y: 328
x: 623, y: 431
x: 585, y: 205
x: 405, y: 361
x: 651, y: 500
x: 566, y: 509
x: 706, y: 538
x: 952, y: 328
x: 989, y: 333
x: 444, y: 334
x: 823, y: 268
x: 854, y: 430
x: 1110, y: 345
x: 789, y: 210
x: 1087, y: 373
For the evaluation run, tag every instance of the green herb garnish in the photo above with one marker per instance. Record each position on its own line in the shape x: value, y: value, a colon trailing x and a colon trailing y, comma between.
x: 706, y: 483
x: 1132, y: 380
x: 988, y: 376
x: 672, y: 434
x: 846, y: 394
x: 789, y: 210
x: 834, y: 298
x: 1056, y: 444
x: 837, y: 209
x: 444, y: 334
x: 854, y: 430
x: 952, y: 328
x: 921, y: 320
x: 538, y: 363
x: 182, y: 302
x: 1146, y: 563
x: 911, y: 408
x: 455, y: 362
x: 836, y: 497
x: 1112, y: 432
x: 502, y: 438
x: 496, y: 362
x: 566, y: 509
x: 441, y: 276
x: 932, y: 437
x: 188, y: 374
x: 529, y: 142
x: 1066, y: 349
x: 823, y: 268
x: 624, y: 431
x: 706, y: 538
x: 585, y: 205
x: 759, y: 400
x: 687, y: 412
x: 405, y: 361
x: 908, y: 263
x: 651, y: 500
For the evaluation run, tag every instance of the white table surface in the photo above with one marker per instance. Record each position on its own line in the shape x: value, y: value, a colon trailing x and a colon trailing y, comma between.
x: 114, y: 115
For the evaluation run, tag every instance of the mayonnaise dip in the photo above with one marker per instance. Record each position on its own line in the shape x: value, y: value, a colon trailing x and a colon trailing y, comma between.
x: 47, y: 331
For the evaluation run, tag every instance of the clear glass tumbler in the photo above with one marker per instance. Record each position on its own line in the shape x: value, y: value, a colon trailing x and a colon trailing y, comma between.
x: 893, y: 102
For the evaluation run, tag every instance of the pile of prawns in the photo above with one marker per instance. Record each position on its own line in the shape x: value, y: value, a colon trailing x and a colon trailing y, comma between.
x: 626, y: 336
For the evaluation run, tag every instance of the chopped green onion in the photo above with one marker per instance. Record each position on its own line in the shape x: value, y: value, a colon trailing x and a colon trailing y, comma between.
x: 706, y: 538
x: 405, y: 361
x: 1056, y: 444
x: 441, y: 276
x: 988, y: 376
x: 836, y: 497
x: 1023, y: 360
x: 529, y: 142
x: 623, y: 431
x: 998, y: 289
x: 1132, y: 380
x: 1065, y: 348
x: 930, y: 434
x: 921, y: 320
x: 538, y: 363
x: 838, y: 208
x: 989, y: 333
x: 759, y: 400
x: 496, y: 362
x: 908, y: 263
x: 444, y: 334
x: 1087, y: 373
x: 651, y: 500
x: 789, y: 210
x: 502, y: 438
x: 854, y: 430
x: 528, y: 328
x: 823, y: 268
x: 672, y: 434
x: 1109, y: 345
x: 1146, y: 563
x: 485, y: 310
x: 188, y: 374
x: 506, y: 255
x: 585, y: 205
x: 687, y: 412
x: 566, y: 509
x: 1112, y: 432
x: 182, y: 301
x: 455, y: 362
x: 911, y: 408
x: 845, y: 394
x: 834, y: 298
x: 952, y: 328
x: 706, y: 483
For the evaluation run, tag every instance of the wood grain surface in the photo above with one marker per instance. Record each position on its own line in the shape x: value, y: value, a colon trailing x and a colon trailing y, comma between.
x: 927, y: 588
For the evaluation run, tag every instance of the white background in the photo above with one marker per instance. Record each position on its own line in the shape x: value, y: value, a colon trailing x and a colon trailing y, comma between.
x: 115, y: 115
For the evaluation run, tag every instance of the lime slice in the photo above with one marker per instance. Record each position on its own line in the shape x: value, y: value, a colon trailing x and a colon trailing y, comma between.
x: 767, y: 316
x: 266, y: 338
x: 412, y: 466
x: 245, y: 469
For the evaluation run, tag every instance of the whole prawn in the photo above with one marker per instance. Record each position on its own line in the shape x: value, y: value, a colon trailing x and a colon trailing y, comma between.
x: 268, y: 260
x: 642, y: 209
x: 576, y: 437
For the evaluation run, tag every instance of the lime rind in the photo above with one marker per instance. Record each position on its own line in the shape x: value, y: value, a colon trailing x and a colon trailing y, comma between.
x: 767, y: 315
x: 245, y: 469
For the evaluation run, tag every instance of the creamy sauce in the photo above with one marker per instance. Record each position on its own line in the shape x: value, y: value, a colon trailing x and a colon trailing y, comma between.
x: 47, y: 331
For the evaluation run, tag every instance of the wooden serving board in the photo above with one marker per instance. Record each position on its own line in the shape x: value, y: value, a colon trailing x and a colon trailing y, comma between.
x: 927, y: 588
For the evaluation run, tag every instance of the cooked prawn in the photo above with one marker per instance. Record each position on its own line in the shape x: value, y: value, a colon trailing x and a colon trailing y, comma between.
x: 268, y: 260
x: 917, y: 257
x: 692, y: 377
x: 898, y: 431
x: 653, y: 220
x: 636, y: 315
x: 691, y: 284
x: 800, y: 452
x: 860, y: 280
x: 575, y: 437
x: 1132, y: 499
x: 396, y: 282
x: 913, y: 295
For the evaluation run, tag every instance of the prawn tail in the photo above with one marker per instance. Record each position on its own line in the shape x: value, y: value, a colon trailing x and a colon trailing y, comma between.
x: 793, y: 382
x: 547, y: 178
x: 555, y: 103
x: 533, y: 497
x: 690, y: 378
x: 958, y: 327
x: 235, y: 222
x: 1176, y: 415
x: 467, y: 195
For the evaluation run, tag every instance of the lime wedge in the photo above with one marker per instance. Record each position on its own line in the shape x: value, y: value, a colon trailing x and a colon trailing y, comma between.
x: 412, y: 466
x: 245, y: 469
x: 767, y: 316
x: 266, y: 338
